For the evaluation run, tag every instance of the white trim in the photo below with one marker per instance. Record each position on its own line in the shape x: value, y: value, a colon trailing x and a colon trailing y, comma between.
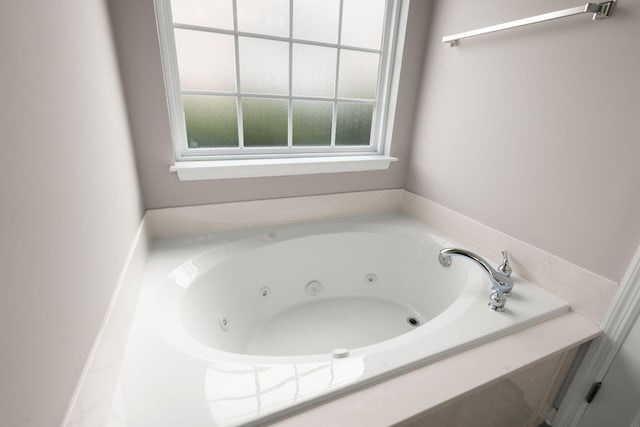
x: 396, y: 53
x: 208, y: 153
x: 622, y: 315
x: 290, y: 101
x: 236, y: 47
x: 170, y: 73
x: 249, y: 168
x: 336, y: 82
x: 384, y: 105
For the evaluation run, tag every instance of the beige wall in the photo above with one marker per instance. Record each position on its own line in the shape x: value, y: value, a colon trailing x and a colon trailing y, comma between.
x: 536, y: 131
x: 69, y: 199
x: 135, y: 32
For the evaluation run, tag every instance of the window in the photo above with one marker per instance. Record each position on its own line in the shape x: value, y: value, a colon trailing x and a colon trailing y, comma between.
x: 288, y: 86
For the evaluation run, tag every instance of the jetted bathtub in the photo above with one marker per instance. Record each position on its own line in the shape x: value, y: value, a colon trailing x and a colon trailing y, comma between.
x: 242, y: 327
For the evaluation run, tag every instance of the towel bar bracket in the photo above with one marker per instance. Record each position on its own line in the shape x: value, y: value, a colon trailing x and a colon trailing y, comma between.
x: 604, y: 9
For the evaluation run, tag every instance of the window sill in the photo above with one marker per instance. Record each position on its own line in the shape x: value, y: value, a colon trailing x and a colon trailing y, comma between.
x: 251, y: 168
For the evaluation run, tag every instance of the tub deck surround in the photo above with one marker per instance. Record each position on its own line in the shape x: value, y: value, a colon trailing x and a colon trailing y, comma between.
x: 191, y: 354
x: 417, y: 394
x: 588, y: 293
x: 91, y: 401
x: 182, y: 221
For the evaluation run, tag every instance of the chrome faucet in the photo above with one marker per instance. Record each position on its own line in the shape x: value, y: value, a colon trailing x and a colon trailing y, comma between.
x: 501, y: 282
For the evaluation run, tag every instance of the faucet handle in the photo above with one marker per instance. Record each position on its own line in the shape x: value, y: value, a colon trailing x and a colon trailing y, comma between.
x: 505, y: 267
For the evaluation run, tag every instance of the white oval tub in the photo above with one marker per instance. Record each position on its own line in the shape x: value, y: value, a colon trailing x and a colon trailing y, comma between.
x: 363, y: 286
x: 253, y: 324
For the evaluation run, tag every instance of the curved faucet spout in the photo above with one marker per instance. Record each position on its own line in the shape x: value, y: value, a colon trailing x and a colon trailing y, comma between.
x: 499, y: 280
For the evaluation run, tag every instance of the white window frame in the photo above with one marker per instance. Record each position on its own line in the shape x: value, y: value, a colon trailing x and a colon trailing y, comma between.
x: 220, y: 163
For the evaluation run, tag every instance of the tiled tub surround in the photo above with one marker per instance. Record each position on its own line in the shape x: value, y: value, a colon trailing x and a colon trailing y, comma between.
x: 374, y: 404
x: 208, y: 302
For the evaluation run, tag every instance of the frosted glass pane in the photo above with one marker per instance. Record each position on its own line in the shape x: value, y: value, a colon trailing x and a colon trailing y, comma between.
x: 265, y: 122
x: 316, y: 20
x: 264, y: 17
x: 211, y: 121
x: 358, y: 74
x: 312, y: 122
x: 205, y: 60
x: 207, y: 13
x: 353, y: 124
x: 264, y: 66
x: 362, y: 23
x: 314, y: 70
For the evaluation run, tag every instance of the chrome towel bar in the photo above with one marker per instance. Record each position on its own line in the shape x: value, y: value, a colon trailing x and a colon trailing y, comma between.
x: 599, y: 11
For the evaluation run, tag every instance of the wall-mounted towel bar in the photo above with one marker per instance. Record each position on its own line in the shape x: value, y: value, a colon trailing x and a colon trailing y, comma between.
x: 599, y: 11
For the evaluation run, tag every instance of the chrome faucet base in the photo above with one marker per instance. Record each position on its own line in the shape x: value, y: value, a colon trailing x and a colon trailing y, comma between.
x: 498, y: 309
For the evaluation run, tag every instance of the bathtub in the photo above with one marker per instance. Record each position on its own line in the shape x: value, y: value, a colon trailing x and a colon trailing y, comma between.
x: 242, y: 327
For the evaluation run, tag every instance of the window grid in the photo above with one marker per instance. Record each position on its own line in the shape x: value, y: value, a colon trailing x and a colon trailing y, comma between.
x: 270, y: 37
x: 284, y: 97
x: 239, y: 94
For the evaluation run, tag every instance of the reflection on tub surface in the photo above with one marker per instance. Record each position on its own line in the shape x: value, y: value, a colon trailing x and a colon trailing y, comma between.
x: 236, y: 393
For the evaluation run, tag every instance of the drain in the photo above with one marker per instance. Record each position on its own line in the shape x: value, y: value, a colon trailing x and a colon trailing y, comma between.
x: 413, y: 321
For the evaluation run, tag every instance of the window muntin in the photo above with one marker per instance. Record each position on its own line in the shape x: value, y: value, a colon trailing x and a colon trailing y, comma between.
x: 292, y: 96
